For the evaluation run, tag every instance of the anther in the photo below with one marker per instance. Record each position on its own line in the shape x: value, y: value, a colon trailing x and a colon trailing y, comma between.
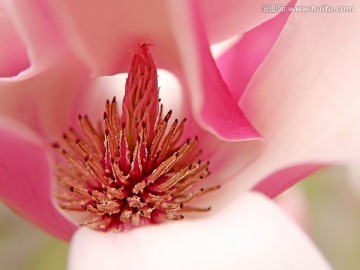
x: 136, y: 167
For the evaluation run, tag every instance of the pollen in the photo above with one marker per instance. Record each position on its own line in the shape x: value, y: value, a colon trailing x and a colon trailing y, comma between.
x: 135, y: 168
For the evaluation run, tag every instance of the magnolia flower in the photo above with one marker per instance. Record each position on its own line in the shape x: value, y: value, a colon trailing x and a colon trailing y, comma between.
x: 299, y: 73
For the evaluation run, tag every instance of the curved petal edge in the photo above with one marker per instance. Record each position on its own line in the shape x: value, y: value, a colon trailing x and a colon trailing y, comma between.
x: 25, y: 180
x: 251, y: 233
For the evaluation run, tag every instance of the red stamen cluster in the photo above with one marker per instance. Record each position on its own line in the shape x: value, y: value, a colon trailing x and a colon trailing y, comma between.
x: 135, y: 171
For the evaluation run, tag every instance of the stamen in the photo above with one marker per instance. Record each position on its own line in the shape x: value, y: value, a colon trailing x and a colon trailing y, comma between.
x: 195, y: 209
x: 90, y: 133
x: 134, y: 170
x: 98, y: 224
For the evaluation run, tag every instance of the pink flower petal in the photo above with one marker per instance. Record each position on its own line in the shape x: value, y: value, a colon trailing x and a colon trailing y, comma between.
x: 213, y: 106
x: 282, y: 179
x: 304, y: 100
x: 250, y: 233
x: 102, y: 35
x: 37, y: 30
x: 225, y: 19
x: 13, y: 56
x: 46, y: 99
x: 238, y: 64
x: 25, y: 180
x: 32, y: 97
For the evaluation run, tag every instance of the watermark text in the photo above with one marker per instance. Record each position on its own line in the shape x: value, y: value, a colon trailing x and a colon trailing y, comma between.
x: 276, y: 8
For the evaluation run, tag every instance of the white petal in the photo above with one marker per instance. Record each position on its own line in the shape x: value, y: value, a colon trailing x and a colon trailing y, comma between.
x: 251, y: 233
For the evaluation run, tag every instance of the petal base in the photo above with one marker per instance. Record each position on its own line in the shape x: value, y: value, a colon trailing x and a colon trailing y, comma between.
x: 251, y: 233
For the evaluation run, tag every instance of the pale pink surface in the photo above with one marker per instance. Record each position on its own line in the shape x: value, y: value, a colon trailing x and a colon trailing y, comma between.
x: 24, y: 179
x: 250, y: 233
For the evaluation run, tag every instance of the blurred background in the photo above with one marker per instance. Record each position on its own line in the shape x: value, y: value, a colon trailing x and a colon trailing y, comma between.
x: 329, y: 202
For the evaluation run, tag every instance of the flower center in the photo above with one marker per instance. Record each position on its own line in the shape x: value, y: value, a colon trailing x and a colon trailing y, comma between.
x: 134, y: 170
